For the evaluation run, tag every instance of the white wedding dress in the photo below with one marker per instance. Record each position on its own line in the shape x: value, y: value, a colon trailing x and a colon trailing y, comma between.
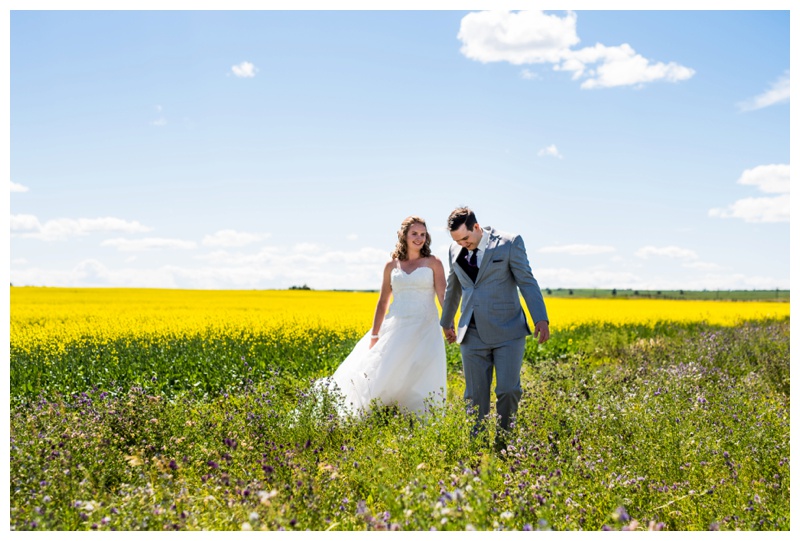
x: 407, y: 365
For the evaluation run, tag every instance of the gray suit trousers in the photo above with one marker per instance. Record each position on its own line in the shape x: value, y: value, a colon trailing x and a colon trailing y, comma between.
x: 479, y: 360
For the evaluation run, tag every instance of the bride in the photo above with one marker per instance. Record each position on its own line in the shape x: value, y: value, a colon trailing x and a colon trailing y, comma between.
x: 402, y: 361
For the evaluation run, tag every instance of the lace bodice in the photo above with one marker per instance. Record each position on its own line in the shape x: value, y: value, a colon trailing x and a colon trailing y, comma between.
x: 413, y: 293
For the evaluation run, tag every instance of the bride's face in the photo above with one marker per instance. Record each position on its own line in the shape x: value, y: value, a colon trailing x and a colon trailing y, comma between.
x: 416, y: 237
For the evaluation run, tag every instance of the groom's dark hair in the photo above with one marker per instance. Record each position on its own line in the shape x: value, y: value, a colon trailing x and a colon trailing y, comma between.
x: 462, y: 215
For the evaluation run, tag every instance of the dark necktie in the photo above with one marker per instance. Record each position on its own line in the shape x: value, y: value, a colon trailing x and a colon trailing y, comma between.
x: 473, y: 265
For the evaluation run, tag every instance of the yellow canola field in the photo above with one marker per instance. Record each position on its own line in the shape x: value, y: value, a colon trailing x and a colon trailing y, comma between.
x: 59, y: 316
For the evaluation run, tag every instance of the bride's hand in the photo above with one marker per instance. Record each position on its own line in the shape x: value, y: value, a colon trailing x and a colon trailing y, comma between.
x: 372, y: 342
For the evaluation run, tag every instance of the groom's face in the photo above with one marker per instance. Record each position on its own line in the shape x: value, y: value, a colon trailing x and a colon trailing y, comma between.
x: 467, y: 238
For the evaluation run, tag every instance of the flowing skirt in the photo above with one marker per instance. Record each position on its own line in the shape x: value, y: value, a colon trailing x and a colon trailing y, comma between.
x: 405, y: 367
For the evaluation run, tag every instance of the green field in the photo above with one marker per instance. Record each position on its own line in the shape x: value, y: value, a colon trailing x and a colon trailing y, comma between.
x: 781, y: 295
x: 663, y: 427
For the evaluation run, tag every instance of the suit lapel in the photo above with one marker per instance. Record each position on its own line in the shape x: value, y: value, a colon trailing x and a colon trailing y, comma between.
x: 461, y: 260
x: 487, y: 255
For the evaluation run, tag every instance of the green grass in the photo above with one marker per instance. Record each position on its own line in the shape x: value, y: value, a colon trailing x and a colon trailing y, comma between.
x: 779, y: 295
x: 674, y: 427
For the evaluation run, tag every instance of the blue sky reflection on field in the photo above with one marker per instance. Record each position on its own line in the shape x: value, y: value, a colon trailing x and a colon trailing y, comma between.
x: 264, y: 149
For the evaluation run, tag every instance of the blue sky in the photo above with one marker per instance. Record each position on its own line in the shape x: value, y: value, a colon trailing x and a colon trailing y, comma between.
x: 264, y: 149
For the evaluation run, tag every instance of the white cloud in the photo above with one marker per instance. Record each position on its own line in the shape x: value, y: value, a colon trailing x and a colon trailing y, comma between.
x: 778, y: 92
x: 756, y: 209
x: 24, y: 222
x: 527, y: 37
x: 161, y: 120
x: 18, y: 187
x: 245, y: 69
x: 153, y: 243
x: 570, y: 277
x: 772, y: 179
x: 28, y: 225
x: 352, y: 237
x: 529, y: 75
x: 271, y: 267
x: 577, y: 249
x: 532, y: 37
x: 232, y: 238
x: 768, y: 178
x: 672, y: 252
x: 619, y: 66
x: 551, y: 150
x: 703, y: 266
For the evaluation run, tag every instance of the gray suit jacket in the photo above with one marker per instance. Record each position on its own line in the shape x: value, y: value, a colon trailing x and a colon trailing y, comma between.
x: 494, y: 296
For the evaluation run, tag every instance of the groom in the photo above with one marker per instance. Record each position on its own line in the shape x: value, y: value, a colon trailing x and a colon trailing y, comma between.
x: 488, y: 270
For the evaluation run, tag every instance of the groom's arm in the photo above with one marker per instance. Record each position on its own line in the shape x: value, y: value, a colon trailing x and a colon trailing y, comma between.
x: 528, y: 286
x: 452, y: 296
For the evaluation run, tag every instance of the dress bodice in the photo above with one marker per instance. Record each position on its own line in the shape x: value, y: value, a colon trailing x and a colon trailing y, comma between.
x: 413, y: 292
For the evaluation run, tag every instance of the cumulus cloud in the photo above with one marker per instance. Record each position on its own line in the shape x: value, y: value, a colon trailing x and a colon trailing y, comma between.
x: 269, y: 267
x: 756, y: 209
x: 778, y: 92
x: 572, y: 278
x: 767, y: 178
x: 672, y: 252
x: 28, y: 225
x: 526, y: 37
x: 619, y: 66
x: 161, y: 120
x: 18, y: 187
x: 770, y: 179
x: 245, y: 69
x: 533, y: 37
x: 232, y: 238
x: 577, y: 249
x: 153, y: 243
x: 703, y: 266
x: 551, y: 150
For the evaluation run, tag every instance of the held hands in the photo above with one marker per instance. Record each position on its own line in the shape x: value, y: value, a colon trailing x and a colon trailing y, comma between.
x: 542, y: 331
x: 450, y: 335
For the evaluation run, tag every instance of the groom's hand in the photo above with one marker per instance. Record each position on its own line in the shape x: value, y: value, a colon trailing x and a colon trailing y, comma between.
x: 542, y: 331
x: 450, y: 334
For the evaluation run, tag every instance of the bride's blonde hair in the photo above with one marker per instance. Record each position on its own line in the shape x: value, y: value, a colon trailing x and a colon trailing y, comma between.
x: 401, y: 250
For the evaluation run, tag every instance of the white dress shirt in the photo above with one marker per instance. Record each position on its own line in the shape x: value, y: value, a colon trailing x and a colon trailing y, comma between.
x: 482, y: 247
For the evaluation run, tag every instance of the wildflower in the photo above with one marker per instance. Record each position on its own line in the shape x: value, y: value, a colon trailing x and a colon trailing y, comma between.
x: 212, y: 464
x: 253, y: 516
x: 173, y: 465
x: 506, y: 515
x: 621, y: 515
x: 246, y: 527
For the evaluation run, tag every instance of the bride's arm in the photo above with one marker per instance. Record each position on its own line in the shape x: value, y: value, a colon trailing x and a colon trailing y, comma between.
x: 383, y: 302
